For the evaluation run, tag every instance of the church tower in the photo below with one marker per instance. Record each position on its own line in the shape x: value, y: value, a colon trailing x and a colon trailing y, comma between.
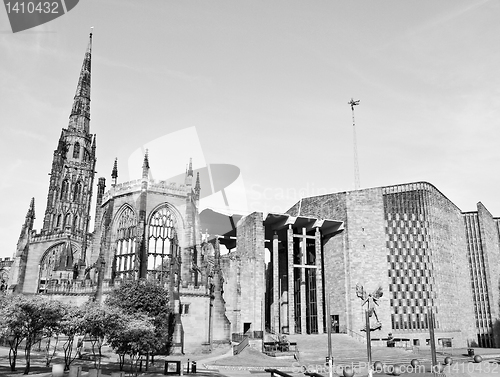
x: 73, y: 165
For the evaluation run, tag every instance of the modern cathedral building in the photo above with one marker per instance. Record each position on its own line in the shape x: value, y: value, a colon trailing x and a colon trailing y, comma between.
x: 280, y: 270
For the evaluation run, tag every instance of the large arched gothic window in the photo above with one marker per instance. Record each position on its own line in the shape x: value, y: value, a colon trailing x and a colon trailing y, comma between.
x: 162, y: 243
x: 126, y: 233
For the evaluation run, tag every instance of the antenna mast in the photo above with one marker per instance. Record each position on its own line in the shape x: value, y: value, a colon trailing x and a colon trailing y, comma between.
x: 356, y: 167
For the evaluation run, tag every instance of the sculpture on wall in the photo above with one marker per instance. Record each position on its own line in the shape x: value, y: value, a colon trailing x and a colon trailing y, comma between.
x: 371, y: 300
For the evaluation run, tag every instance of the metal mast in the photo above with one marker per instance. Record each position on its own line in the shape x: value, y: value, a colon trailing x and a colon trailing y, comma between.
x: 356, y: 167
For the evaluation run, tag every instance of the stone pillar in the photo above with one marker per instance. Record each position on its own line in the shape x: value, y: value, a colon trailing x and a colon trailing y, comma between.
x: 319, y: 282
x: 276, y: 287
x: 291, y: 299
x: 303, y: 303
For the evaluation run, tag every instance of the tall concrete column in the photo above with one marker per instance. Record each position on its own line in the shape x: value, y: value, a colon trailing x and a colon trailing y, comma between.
x: 319, y: 282
x: 276, y: 287
x: 303, y: 303
x: 291, y: 298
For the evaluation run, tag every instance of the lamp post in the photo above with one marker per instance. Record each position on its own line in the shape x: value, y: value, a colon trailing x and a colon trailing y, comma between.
x: 329, y: 332
x: 368, y: 343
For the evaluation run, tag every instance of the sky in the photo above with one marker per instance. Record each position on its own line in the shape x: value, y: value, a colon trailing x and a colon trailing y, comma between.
x: 263, y: 86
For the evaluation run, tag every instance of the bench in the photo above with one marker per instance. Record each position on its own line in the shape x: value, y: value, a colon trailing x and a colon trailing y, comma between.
x: 276, y: 372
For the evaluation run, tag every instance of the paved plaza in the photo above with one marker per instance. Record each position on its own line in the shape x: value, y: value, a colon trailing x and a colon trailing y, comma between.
x: 311, y: 357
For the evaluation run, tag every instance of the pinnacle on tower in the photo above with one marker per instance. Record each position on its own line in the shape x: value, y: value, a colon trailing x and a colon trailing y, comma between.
x: 31, y: 211
x: 80, y: 112
x: 188, y: 181
x: 197, y: 186
x: 190, y: 170
x: 145, y: 167
x: 114, y: 172
x: 145, y: 164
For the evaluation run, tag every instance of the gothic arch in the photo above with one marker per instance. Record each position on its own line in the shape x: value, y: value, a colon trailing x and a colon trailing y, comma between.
x: 49, y: 260
x: 163, y: 230
x: 124, y: 241
x: 175, y: 211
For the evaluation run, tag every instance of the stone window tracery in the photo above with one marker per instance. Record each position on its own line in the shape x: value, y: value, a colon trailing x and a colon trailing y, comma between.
x: 126, y: 236
x: 162, y: 243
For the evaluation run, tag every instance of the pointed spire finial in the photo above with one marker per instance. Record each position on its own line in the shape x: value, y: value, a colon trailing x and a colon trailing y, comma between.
x: 190, y: 170
x: 114, y: 172
x: 145, y: 164
x: 188, y: 181
x: 31, y: 210
x: 197, y: 186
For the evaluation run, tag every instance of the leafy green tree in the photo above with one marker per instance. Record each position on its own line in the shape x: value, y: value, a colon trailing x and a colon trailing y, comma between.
x: 151, y: 299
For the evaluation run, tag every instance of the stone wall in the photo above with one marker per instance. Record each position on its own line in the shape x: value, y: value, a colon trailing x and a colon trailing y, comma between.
x: 196, y: 322
x: 491, y: 252
x: 452, y: 281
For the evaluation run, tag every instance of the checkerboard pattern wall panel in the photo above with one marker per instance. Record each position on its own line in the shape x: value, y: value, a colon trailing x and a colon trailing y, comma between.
x: 408, y: 256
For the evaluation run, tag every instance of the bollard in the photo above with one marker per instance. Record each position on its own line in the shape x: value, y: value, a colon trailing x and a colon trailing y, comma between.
x: 57, y: 370
x: 75, y: 371
x: 193, y: 367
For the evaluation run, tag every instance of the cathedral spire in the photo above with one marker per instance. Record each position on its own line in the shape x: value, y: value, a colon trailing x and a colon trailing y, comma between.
x: 80, y: 112
x: 114, y: 172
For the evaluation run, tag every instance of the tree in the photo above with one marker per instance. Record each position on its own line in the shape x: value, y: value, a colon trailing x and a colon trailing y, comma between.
x: 98, y: 322
x: 71, y: 325
x: 28, y: 318
x: 148, y: 298
x: 12, y: 328
x: 135, y: 336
